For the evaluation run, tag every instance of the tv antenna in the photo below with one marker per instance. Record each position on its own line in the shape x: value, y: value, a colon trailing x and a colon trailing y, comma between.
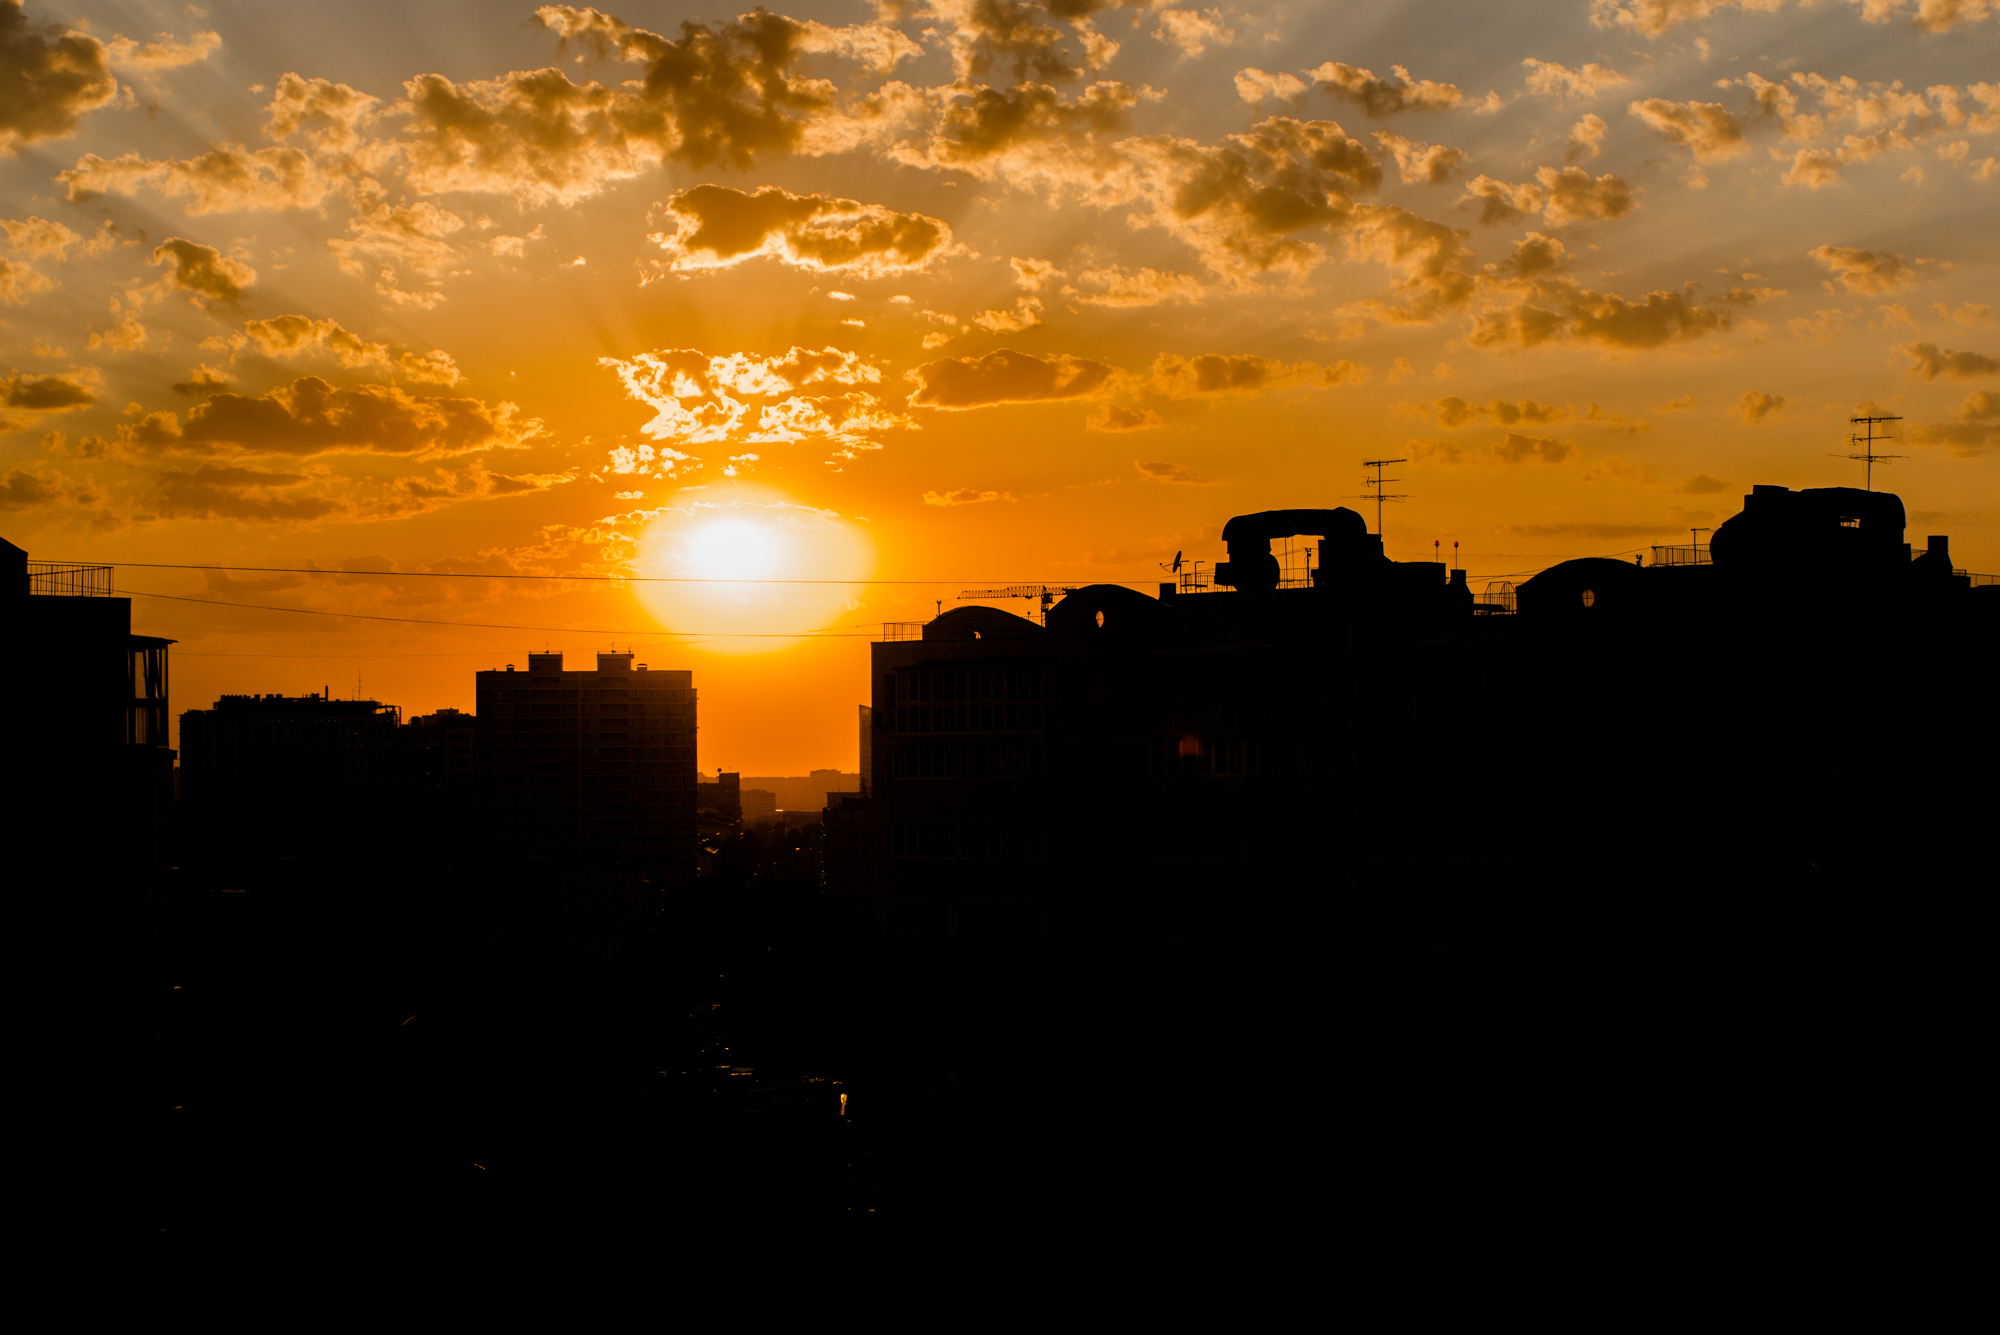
x: 1377, y: 494
x: 1867, y: 439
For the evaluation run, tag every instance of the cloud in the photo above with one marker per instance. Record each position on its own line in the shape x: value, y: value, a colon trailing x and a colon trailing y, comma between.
x: 165, y: 54
x: 1379, y: 97
x: 1975, y: 430
x: 1238, y: 203
x: 727, y: 94
x: 213, y: 491
x: 1519, y: 449
x: 412, y: 236
x: 1007, y: 376
x: 202, y: 382
x: 330, y: 115
x: 310, y: 417
x: 700, y: 399
x: 289, y: 336
x: 38, y: 238
x: 45, y: 393
x: 1931, y: 15
x: 1553, y: 80
x: 1754, y: 407
x: 1026, y: 131
x: 1007, y: 34
x: 1586, y: 138
x: 1193, y: 31
x: 1653, y: 17
x: 1143, y: 287
x: 1707, y: 129
x: 50, y: 79
x: 1113, y: 418
x: 1927, y: 362
x: 718, y: 227
x: 20, y: 281
x: 1870, y: 272
x: 1211, y: 375
x: 1701, y: 484
x: 1026, y: 314
x: 203, y: 272
x: 1554, y: 308
x: 23, y: 490
x: 1254, y: 85
x: 1432, y: 259
x: 124, y: 336
x: 1169, y: 473
x: 1452, y: 412
x: 965, y: 496
x: 228, y: 178
x: 1030, y: 274
x: 1429, y: 164
x: 1512, y: 448
x: 1562, y: 195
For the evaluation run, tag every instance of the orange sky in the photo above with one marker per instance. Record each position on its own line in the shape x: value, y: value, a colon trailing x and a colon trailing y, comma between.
x: 962, y: 294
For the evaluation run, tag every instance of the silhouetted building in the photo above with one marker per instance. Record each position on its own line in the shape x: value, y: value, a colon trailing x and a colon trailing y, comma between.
x: 807, y: 792
x: 1159, y: 852
x: 759, y: 804
x: 89, y: 750
x: 288, y: 776
x: 723, y: 799
x: 595, y: 763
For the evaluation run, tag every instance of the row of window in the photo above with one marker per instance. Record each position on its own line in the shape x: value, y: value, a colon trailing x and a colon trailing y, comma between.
x: 926, y: 685
x: 987, y: 841
x: 998, y: 716
x: 967, y: 760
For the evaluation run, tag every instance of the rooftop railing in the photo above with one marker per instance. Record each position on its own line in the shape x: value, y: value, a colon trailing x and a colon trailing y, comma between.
x: 1684, y: 555
x: 902, y: 630
x: 69, y: 581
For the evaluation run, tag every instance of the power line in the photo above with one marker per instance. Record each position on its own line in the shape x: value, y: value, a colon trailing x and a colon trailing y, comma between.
x: 461, y: 574
x: 496, y: 625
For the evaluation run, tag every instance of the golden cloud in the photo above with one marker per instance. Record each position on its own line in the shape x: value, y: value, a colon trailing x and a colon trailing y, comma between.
x: 203, y: 272
x: 1707, y: 129
x: 1871, y: 272
x: 1420, y: 164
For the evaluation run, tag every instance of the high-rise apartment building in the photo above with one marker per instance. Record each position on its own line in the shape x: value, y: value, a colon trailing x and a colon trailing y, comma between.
x: 596, y: 764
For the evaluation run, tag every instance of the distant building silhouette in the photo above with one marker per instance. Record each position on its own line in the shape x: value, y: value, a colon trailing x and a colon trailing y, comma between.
x: 759, y: 804
x: 293, y: 776
x: 723, y: 799
x: 809, y: 792
x: 595, y: 763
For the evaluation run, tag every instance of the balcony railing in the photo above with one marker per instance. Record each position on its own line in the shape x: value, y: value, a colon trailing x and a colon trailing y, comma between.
x: 1683, y: 555
x: 70, y: 581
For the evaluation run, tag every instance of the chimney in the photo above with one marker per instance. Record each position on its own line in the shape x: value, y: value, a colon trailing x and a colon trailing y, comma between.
x: 1940, y: 547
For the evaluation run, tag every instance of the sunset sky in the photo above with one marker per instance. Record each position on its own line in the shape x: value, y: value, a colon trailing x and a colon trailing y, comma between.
x: 951, y: 293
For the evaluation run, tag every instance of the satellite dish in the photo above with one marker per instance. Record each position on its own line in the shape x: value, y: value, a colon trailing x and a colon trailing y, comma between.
x: 1177, y: 563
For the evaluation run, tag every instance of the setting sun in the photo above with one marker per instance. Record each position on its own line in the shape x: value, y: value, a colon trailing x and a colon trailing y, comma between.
x: 737, y: 549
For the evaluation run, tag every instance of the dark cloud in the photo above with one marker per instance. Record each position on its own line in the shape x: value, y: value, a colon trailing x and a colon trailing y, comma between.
x: 49, y: 77
x: 1519, y: 449
x: 1928, y: 362
x: 1378, y: 97
x: 310, y: 416
x: 719, y: 226
x: 1007, y: 376
x: 22, y: 490
x: 1112, y: 417
x: 1212, y: 374
x: 985, y: 124
x: 1701, y: 484
x: 219, y: 492
x: 204, y: 271
x: 44, y: 393
x: 1170, y: 473
x: 201, y: 382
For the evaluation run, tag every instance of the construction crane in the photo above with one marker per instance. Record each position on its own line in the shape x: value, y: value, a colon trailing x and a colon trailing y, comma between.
x: 1047, y: 593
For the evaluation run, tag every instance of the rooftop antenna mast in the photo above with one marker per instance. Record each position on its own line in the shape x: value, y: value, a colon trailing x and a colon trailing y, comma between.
x: 1867, y: 439
x: 1375, y: 484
